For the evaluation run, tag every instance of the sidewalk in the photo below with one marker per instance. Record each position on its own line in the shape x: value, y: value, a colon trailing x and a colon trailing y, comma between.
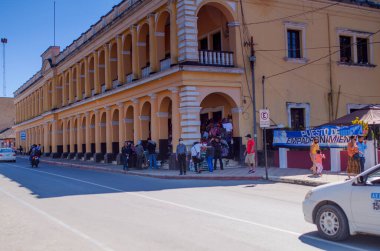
x: 290, y: 175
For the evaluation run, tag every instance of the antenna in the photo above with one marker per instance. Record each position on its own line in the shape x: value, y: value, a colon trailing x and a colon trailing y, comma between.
x: 54, y: 23
x: 4, y: 41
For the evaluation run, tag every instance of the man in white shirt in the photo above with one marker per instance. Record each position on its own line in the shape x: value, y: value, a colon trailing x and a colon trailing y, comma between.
x: 196, y: 155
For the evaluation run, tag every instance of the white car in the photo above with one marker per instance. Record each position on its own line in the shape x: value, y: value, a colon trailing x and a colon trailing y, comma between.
x: 346, y: 208
x: 7, y: 154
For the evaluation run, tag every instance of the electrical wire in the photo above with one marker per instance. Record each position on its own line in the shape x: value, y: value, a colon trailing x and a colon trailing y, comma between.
x: 310, y: 48
x: 316, y: 60
x: 291, y: 16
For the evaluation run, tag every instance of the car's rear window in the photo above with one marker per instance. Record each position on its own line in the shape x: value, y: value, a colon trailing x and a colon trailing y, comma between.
x: 6, y: 150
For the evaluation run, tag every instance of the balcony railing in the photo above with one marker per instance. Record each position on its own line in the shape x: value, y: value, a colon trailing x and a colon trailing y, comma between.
x: 165, y: 64
x: 219, y: 58
x: 129, y: 78
x: 115, y: 83
x: 145, y: 72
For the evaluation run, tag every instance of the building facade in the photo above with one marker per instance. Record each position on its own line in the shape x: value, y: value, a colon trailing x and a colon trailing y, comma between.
x: 160, y: 69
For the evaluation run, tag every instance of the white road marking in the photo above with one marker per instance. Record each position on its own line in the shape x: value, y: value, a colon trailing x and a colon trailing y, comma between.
x: 201, y: 210
x: 59, y: 222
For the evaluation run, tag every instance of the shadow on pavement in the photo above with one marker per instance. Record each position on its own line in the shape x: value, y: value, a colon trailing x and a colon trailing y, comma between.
x: 363, y: 242
x: 43, y: 184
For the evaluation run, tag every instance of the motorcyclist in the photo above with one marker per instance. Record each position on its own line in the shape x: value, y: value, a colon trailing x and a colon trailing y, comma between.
x: 34, y: 155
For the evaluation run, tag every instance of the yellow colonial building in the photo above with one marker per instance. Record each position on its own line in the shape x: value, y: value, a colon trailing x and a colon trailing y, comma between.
x: 159, y: 69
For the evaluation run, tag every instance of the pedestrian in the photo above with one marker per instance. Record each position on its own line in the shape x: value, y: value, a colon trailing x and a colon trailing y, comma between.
x: 250, y: 154
x: 319, y: 156
x: 362, y: 147
x: 139, y: 150
x: 210, y: 152
x: 125, y: 154
x: 314, y: 147
x: 217, y: 152
x: 181, y: 157
x: 196, y: 156
x: 152, y: 153
x: 353, y: 166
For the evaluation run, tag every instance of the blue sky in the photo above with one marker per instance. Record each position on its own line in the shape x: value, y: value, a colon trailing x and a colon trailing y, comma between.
x: 28, y: 26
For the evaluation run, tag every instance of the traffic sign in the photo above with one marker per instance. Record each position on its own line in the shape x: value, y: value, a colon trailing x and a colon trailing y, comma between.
x: 23, y: 135
x: 264, y: 118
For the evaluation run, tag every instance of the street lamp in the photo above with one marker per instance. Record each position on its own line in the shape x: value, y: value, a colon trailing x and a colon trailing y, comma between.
x: 4, y: 41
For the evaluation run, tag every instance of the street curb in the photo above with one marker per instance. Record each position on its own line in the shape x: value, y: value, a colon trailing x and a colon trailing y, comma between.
x: 176, y: 177
x: 296, y: 181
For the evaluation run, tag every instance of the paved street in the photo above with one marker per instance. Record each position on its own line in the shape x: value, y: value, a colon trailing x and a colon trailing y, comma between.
x: 58, y: 208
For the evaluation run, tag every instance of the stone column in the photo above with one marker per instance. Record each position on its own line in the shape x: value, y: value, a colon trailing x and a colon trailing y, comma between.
x: 41, y: 109
x: 72, y: 136
x: 108, y: 156
x: 71, y: 86
x: 46, y: 139
x: 97, y: 86
x: 64, y: 90
x: 45, y: 99
x: 107, y: 67
x: 79, y: 136
x: 153, y: 119
x: 152, y: 43
x: 176, y: 129
x: 135, y: 53
x: 54, y: 94
x: 187, y: 31
x: 136, y: 121
x: 190, y: 119
x: 78, y: 83
x: 120, y: 60
x: 86, y: 79
x: 64, y: 137
x: 88, y: 135
x: 173, y: 32
x: 97, y: 155
x: 121, y: 125
x: 54, y: 136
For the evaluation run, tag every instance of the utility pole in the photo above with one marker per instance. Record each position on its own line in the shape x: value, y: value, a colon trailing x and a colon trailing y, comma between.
x: 252, y: 60
x: 4, y: 41
x: 265, y: 132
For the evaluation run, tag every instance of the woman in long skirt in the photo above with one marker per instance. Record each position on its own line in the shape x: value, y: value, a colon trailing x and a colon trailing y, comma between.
x: 353, y: 166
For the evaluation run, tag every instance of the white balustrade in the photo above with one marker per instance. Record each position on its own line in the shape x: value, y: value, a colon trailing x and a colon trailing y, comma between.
x: 129, y: 78
x: 145, y: 71
x: 165, y: 64
x: 218, y: 58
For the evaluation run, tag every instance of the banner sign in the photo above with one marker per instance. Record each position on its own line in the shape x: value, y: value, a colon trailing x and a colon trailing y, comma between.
x: 329, y: 136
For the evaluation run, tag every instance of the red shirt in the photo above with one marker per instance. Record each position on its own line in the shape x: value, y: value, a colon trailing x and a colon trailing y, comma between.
x: 250, y: 146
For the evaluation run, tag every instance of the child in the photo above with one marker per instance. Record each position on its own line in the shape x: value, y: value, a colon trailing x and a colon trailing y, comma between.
x: 318, y: 162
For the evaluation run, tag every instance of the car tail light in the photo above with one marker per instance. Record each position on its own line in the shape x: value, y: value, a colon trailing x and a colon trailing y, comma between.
x: 14, y: 154
x: 1, y: 155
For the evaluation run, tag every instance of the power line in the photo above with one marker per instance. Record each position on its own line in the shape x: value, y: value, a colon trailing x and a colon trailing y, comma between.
x: 291, y: 16
x: 316, y: 60
x: 310, y: 48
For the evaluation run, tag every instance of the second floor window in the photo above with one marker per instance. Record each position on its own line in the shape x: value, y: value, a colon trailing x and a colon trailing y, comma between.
x: 362, y: 48
x: 203, y: 44
x: 345, y: 49
x: 294, y: 44
x: 297, y: 116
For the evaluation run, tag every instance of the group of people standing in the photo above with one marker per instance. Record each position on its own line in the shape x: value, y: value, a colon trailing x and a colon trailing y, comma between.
x: 355, y: 151
x: 211, y: 151
x: 138, y: 155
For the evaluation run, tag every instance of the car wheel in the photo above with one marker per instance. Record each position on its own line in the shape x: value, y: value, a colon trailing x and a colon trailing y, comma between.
x: 332, y: 223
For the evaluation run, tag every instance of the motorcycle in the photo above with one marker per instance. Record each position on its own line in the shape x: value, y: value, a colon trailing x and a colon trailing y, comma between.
x: 35, y: 161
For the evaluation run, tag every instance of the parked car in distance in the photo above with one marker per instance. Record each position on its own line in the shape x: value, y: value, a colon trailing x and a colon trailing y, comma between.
x: 346, y: 208
x: 7, y: 154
